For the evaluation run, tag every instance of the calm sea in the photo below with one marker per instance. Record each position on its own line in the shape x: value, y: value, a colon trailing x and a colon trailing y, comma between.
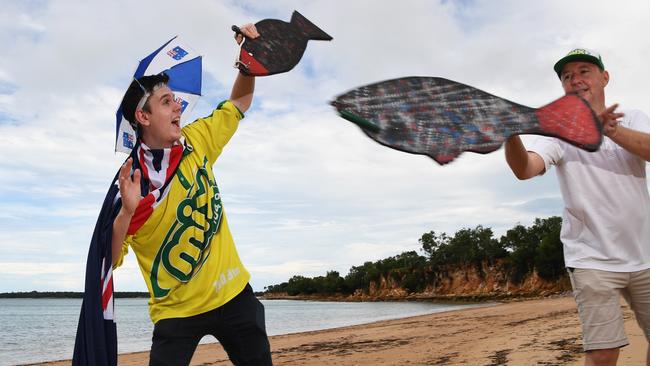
x: 36, y: 330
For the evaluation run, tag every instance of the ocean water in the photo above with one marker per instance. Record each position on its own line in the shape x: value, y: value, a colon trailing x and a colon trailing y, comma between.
x: 37, y: 330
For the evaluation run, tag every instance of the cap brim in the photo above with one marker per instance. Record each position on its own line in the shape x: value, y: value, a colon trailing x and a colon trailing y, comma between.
x: 579, y: 57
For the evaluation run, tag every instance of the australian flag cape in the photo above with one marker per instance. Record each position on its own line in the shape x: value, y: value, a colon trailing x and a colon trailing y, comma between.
x: 96, y: 341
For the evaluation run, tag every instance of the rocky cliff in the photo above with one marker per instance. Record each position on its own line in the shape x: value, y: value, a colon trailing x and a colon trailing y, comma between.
x: 453, y: 283
x: 470, y: 283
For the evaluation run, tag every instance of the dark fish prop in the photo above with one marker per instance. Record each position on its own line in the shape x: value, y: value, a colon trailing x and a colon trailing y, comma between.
x: 442, y: 118
x: 279, y: 47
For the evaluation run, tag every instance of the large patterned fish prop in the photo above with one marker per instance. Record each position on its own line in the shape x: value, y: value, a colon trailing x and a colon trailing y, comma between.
x: 442, y: 118
x: 279, y: 47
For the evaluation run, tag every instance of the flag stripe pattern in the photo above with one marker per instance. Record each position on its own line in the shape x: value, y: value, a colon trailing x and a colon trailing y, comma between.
x: 158, y: 167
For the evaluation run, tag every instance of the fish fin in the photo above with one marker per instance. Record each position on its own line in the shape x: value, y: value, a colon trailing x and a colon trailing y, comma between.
x: 308, y: 28
x: 361, y: 122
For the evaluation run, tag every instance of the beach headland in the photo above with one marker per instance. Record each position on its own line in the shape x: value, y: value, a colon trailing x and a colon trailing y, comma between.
x: 516, y: 332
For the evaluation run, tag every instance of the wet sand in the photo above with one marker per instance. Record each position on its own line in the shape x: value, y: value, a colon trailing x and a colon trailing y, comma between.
x: 531, y: 332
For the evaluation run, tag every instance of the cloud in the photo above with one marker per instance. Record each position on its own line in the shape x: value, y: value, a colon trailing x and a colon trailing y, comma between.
x: 304, y: 190
x: 35, y: 269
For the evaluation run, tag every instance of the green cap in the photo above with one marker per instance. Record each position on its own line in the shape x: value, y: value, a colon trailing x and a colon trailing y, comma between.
x: 579, y: 54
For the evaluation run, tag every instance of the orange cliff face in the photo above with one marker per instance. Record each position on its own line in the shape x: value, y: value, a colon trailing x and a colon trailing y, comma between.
x: 492, y: 282
x: 468, y: 282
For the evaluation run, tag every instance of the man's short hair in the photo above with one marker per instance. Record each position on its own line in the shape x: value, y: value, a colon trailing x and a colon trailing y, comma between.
x: 136, y: 92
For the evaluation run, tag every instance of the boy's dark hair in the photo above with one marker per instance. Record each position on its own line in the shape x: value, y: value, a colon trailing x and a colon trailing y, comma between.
x: 136, y: 91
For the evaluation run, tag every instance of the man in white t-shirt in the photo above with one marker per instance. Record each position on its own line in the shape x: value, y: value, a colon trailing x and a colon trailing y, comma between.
x: 606, y: 218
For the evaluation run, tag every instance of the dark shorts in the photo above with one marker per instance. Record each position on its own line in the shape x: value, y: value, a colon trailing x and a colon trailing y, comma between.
x: 238, y: 326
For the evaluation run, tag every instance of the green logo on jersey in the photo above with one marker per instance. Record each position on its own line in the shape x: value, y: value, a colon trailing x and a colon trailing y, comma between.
x: 186, y: 246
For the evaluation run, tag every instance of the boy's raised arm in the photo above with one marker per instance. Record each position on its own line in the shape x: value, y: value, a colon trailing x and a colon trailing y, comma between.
x: 244, y: 86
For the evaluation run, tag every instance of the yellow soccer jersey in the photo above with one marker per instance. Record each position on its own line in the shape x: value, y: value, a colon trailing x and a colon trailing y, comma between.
x: 187, y: 257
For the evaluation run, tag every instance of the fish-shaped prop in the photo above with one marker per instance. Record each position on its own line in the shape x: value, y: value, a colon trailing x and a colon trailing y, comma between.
x: 442, y: 118
x: 279, y: 47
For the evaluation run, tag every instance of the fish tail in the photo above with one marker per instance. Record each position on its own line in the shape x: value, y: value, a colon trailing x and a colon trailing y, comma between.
x: 571, y: 119
x: 308, y: 28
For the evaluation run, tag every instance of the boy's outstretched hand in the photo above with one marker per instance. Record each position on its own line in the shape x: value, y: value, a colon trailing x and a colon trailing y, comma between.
x: 247, y: 30
x: 129, y: 187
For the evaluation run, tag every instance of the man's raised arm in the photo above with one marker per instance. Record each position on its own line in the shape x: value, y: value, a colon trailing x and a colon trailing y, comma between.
x: 524, y: 164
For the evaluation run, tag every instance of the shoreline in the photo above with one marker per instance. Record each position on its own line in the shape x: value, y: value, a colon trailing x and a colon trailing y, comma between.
x: 423, y: 297
x: 517, y: 332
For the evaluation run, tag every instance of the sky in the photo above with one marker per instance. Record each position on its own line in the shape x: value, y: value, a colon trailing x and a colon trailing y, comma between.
x: 304, y: 190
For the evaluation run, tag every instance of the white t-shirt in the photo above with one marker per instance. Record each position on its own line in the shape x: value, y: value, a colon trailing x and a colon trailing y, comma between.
x: 606, y: 218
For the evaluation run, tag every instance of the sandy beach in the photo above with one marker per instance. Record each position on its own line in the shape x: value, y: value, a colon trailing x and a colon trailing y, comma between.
x: 531, y: 332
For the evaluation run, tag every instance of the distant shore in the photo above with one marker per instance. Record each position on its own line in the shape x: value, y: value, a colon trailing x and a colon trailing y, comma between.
x: 64, y: 295
x: 454, y: 298
x: 498, y: 296
x: 541, y: 331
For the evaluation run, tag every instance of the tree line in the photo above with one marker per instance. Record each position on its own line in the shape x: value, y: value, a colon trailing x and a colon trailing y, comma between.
x: 521, y: 251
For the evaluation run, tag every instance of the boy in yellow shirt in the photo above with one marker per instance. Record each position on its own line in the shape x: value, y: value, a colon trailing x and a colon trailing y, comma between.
x: 172, y: 218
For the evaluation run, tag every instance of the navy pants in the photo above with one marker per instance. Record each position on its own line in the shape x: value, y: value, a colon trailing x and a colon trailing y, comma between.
x: 238, y: 325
